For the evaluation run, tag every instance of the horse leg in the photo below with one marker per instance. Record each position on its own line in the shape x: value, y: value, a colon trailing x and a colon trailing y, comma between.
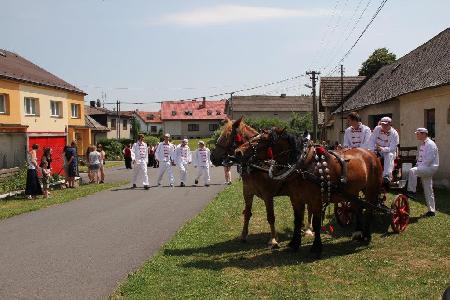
x: 271, y: 220
x: 367, y: 234
x: 358, y: 233
x: 317, y: 244
x: 299, y: 212
x: 248, y: 198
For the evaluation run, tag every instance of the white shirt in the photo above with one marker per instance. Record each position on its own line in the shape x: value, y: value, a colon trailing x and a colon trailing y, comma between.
x: 201, y: 157
x: 164, y: 152
x: 388, y: 141
x: 427, y: 154
x: 139, y: 152
x: 182, y: 155
x: 359, y: 137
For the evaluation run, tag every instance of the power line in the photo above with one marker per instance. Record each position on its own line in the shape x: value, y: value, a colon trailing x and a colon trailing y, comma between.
x: 360, y: 36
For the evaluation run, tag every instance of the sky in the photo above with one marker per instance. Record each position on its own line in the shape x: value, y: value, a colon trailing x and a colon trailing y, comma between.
x: 150, y: 51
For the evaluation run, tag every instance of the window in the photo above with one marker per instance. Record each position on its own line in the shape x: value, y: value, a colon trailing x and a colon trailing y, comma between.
x: 213, y: 127
x: 218, y: 112
x: 75, y: 109
x: 430, y: 122
x: 152, y: 128
x: 3, y: 104
x: 113, y: 124
x: 174, y: 112
x: 150, y: 117
x: 55, y: 108
x: 124, y: 124
x: 31, y: 106
x: 193, y: 127
x: 209, y: 112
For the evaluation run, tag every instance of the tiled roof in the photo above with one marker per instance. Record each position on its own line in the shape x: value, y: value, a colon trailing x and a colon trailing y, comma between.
x: 146, y: 116
x: 330, y: 89
x: 193, y: 110
x: 272, y: 103
x: 15, y: 67
x: 425, y: 67
x: 94, y: 125
x: 89, y: 110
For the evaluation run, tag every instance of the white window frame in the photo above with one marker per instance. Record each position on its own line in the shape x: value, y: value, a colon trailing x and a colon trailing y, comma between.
x: 33, y: 108
x: 77, y: 111
x: 3, y: 101
x: 58, y: 106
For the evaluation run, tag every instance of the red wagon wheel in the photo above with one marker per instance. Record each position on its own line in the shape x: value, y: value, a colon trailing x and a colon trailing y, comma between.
x: 343, y: 213
x: 400, y: 213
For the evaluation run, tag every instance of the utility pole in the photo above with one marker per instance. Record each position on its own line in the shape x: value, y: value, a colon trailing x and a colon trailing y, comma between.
x: 342, y: 98
x: 231, y: 105
x: 315, y: 117
x: 118, y: 118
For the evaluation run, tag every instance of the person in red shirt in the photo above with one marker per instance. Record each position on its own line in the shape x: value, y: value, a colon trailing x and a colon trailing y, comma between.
x: 127, y: 156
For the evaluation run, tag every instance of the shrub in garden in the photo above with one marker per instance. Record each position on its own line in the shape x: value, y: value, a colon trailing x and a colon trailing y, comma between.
x: 14, y: 182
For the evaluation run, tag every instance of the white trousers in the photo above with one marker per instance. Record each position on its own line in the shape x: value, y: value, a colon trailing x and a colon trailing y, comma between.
x: 183, y: 172
x: 138, y: 169
x: 388, y: 166
x: 203, y: 171
x: 163, y: 166
x: 426, y: 175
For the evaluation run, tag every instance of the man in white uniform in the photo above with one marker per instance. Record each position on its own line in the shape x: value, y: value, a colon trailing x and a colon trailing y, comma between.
x: 427, y: 165
x: 201, y: 160
x: 139, y: 156
x: 385, y: 140
x: 183, y: 157
x: 357, y: 135
x: 164, y: 154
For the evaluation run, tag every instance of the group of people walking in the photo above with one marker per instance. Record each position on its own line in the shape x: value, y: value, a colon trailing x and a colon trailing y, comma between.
x: 166, y: 156
x: 384, y: 140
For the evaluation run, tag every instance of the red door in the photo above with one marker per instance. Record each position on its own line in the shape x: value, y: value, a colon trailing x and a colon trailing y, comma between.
x: 56, y: 143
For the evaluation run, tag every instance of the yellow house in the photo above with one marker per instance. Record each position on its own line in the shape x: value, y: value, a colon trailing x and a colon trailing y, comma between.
x: 415, y: 92
x: 36, y: 107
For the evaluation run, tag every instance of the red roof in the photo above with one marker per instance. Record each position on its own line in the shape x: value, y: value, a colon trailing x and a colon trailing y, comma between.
x: 193, y: 110
x: 149, y: 116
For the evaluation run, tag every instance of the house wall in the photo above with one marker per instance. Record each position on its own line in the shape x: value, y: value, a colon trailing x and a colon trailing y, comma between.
x: 284, y: 115
x: 112, y: 134
x: 13, y: 114
x: 76, y: 99
x: 179, y: 129
x: 82, y: 136
x: 43, y: 122
x: 13, y: 147
x: 97, y: 136
x: 173, y: 127
x: 412, y: 116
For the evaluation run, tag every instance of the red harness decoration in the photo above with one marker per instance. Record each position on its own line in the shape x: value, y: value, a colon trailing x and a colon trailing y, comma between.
x: 270, y: 153
x: 238, y: 138
x: 320, y: 150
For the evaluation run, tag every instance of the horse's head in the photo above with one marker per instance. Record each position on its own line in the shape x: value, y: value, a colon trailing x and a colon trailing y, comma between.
x: 232, y: 136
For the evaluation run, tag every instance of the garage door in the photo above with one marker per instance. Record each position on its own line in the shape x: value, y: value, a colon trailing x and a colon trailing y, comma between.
x: 56, y: 143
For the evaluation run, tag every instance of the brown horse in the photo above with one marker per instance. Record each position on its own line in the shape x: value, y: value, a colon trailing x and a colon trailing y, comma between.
x: 313, y: 177
x: 255, y: 182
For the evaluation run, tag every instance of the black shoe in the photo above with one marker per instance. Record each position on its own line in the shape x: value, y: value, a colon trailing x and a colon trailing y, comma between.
x: 134, y: 186
x: 196, y: 181
x: 429, y: 214
x: 182, y: 184
x: 146, y: 187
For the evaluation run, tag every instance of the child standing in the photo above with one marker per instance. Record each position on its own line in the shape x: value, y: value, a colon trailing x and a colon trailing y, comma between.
x: 45, y: 177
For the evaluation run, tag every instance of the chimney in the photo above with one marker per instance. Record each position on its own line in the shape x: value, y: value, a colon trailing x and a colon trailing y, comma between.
x: 283, y: 96
x: 99, y: 104
x: 92, y: 103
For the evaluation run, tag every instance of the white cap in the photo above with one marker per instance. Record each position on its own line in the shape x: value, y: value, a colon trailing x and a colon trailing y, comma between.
x: 185, y: 140
x: 167, y: 135
x: 201, y: 142
x: 421, y: 130
x: 386, y: 120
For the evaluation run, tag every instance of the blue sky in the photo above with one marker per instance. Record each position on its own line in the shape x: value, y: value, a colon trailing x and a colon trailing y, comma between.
x: 148, y: 51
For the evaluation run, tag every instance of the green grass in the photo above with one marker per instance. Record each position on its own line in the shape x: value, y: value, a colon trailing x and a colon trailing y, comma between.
x: 206, y: 261
x: 9, y: 208
x: 108, y: 164
x: 193, y: 143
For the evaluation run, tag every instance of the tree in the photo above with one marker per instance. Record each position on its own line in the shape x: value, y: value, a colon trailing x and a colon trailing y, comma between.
x: 135, y: 128
x: 301, y: 122
x: 380, y: 57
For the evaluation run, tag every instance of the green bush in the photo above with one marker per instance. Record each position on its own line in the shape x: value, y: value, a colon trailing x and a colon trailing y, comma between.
x: 151, y: 140
x: 15, y: 182
x: 266, y: 123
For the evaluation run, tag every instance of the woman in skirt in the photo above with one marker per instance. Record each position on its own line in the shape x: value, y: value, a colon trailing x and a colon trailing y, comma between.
x: 33, y: 186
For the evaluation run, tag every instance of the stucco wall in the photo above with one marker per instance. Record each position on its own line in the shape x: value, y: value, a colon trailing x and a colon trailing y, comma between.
x: 11, y: 90
x: 412, y: 108
x: 172, y: 127
x: 12, y: 150
x: 43, y: 122
x: 284, y: 115
x: 76, y: 99
x: 124, y: 134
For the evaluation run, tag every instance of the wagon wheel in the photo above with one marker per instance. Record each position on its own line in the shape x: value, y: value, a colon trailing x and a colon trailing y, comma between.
x: 343, y: 213
x: 400, y: 213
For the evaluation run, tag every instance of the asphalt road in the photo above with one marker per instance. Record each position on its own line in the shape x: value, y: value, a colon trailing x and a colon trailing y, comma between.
x: 84, y: 248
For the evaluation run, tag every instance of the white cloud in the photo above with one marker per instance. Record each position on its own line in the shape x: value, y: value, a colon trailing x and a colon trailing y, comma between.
x: 224, y: 14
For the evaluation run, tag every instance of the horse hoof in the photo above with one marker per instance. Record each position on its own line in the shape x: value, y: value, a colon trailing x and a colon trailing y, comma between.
x: 294, y: 245
x: 243, y: 239
x: 274, y: 246
x: 308, y: 232
x: 357, y: 235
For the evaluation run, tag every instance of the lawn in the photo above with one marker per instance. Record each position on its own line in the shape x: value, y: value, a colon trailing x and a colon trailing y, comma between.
x: 9, y: 208
x: 108, y: 164
x: 193, y: 143
x: 206, y: 261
